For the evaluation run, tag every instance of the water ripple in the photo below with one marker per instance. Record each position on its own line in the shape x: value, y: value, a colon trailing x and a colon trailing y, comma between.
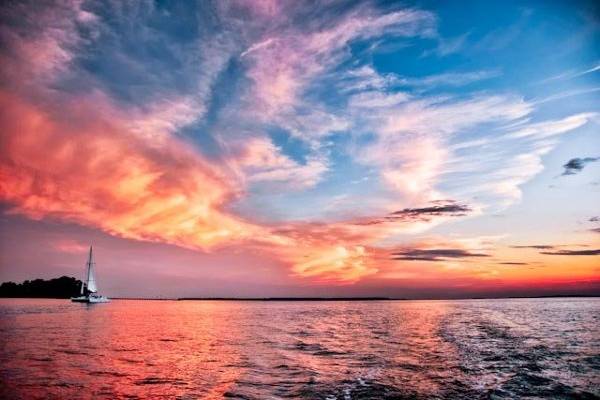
x: 478, y: 349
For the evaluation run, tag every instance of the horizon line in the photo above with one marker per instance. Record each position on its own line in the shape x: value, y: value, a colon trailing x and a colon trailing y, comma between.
x: 354, y: 298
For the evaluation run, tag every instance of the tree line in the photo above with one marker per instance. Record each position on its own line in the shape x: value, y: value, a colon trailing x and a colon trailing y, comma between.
x: 57, y: 288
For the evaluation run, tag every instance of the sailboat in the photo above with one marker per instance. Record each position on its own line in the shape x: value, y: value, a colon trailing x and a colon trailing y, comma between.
x: 89, y: 290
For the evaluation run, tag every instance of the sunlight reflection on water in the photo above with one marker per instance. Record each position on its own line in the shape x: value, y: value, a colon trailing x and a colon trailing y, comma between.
x: 544, y: 348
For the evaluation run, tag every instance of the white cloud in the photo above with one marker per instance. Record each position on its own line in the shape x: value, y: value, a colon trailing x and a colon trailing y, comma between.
x: 263, y: 162
x: 550, y: 128
x: 375, y: 99
x: 451, y: 78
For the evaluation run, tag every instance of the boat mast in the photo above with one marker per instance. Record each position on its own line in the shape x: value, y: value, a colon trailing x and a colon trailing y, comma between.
x: 83, y: 285
x: 89, y: 268
x: 86, y: 281
x: 91, y: 280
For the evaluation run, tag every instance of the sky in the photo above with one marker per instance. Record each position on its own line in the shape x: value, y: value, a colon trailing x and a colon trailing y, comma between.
x: 414, y: 149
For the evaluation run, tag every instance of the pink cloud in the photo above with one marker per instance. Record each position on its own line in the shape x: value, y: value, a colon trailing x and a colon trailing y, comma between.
x: 70, y: 246
x: 257, y: 160
x: 284, y: 63
x: 96, y: 172
x: 44, y: 48
x: 411, y: 148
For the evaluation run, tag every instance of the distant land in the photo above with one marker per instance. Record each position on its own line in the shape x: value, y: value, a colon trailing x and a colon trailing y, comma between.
x: 66, y: 287
x: 342, y: 298
x: 57, y: 288
x: 290, y: 298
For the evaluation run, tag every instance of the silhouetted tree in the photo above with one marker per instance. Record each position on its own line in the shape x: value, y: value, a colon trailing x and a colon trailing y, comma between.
x: 57, y: 288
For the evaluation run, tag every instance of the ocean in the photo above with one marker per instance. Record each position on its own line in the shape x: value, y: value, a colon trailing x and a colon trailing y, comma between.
x: 459, y: 349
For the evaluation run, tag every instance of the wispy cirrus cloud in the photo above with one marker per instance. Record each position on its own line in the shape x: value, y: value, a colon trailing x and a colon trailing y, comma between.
x: 409, y: 128
x: 547, y: 129
x: 512, y: 158
x: 573, y: 74
x: 418, y: 132
x: 447, y: 46
x: 262, y: 161
x: 451, y: 79
x: 282, y: 65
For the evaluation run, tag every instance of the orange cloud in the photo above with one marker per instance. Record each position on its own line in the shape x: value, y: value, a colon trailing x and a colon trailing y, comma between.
x: 94, y: 171
x: 336, y: 253
x: 334, y: 264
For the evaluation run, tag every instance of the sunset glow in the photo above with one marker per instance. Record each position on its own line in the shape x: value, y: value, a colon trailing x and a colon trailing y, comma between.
x: 265, y: 148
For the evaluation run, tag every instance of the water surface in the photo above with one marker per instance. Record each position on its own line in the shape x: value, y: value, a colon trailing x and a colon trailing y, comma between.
x: 471, y: 349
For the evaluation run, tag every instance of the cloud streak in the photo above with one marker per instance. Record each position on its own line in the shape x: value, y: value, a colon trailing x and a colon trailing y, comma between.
x: 513, y: 263
x: 534, y: 246
x: 443, y: 207
x: 435, y: 254
x: 576, y: 165
x: 594, y: 252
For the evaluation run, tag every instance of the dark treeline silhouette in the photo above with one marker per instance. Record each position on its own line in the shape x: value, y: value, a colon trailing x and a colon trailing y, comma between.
x: 287, y: 298
x: 57, y: 288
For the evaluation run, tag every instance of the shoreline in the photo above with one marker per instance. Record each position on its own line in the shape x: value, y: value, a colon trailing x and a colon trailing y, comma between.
x: 317, y: 299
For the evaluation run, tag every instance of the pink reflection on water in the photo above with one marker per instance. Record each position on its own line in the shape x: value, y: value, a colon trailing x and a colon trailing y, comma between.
x: 211, y: 349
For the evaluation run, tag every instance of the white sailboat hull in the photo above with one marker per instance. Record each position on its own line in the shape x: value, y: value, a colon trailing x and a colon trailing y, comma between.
x: 90, y: 299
